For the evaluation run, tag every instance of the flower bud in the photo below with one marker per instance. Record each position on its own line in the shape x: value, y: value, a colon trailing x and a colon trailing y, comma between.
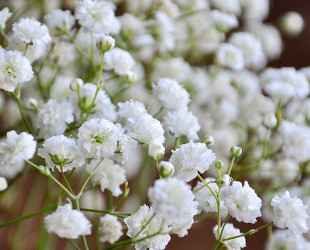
x: 226, y: 180
x: 156, y: 151
x: 104, y: 42
x: 3, y: 184
x: 219, y: 164
x: 130, y: 77
x: 76, y: 84
x: 270, y: 121
x: 235, y: 151
x: 165, y: 169
x: 31, y: 104
x: 208, y: 140
x: 292, y: 23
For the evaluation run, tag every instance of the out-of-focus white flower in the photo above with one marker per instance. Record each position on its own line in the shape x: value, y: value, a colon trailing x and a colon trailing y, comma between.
x: 144, y: 223
x: 14, y: 69
x: 119, y: 60
x: 98, y: 138
x: 191, y: 158
x: 242, y: 202
x: 230, y: 56
x: 53, y: 117
x: 67, y: 223
x: 290, y: 213
x: 292, y: 23
x: 31, y: 31
x: 3, y: 184
x: 229, y: 6
x: 110, y: 229
x: 97, y: 16
x: 63, y: 53
x: 228, y: 232
x: 223, y: 21
x: 59, y: 21
x: 171, y: 94
x: 5, y: 14
x: 255, y: 10
x: 182, y: 122
x: 61, y: 152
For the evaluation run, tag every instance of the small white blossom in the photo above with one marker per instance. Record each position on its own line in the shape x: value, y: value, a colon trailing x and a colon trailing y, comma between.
x: 156, y: 151
x: 59, y: 21
x: 229, y: 6
x: 3, y: 184
x: 230, y: 56
x: 110, y: 229
x: 63, y: 53
x: 228, y: 232
x: 14, y: 69
x: 131, y: 109
x: 290, y: 213
x: 292, y: 23
x: 61, y: 152
x: 144, y: 223
x: 67, y: 223
x: 5, y: 14
x: 53, y: 117
x: 119, y: 60
x: 242, y: 202
x: 191, y: 158
x: 223, y: 21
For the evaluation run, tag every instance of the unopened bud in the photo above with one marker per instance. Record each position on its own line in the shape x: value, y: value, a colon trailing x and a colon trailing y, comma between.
x: 235, y: 151
x: 130, y: 77
x: 219, y: 164
x: 3, y: 184
x: 208, y: 140
x: 32, y: 104
x: 292, y: 23
x: 226, y: 180
x: 270, y: 121
x: 165, y: 169
x: 156, y: 151
x: 76, y: 84
x: 104, y: 42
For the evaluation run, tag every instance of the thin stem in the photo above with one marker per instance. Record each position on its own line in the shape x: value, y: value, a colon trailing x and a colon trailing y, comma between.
x: 100, y: 69
x: 66, y: 180
x: 177, y: 142
x: 25, y: 50
x: 28, y: 216
x: 118, y: 214
x: 231, y: 165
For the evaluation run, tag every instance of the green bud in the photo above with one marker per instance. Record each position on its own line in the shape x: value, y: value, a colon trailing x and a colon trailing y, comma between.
x: 219, y: 164
x: 208, y: 140
x: 165, y: 169
x: 235, y: 151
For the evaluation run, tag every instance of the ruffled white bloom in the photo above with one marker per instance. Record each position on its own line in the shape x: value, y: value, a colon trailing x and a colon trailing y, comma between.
x: 228, y: 232
x: 31, y: 31
x: 191, y: 158
x: 131, y: 109
x: 145, y: 223
x: 182, y: 122
x: 98, y: 138
x: 61, y: 152
x: 5, y: 14
x: 103, y: 107
x: 59, y: 21
x: 14, y: 149
x: 67, y: 223
x: 97, y: 16
x: 110, y: 229
x: 290, y: 213
x: 251, y: 48
x: 173, y: 201
x: 223, y: 21
x: 242, y: 202
x: 14, y: 69
x: 171, y: 94
x: 296, y: 141
x: 3, y: 184
x: 53, y: 117
x: 119, y: 60
x: 230, y: 56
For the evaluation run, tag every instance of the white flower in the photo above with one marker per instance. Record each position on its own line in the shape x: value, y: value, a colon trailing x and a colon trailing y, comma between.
x: 229, y: 6
x: 63, y: 53
x: 61, y: 152
x: 59, y: 21
x: 173, y: 201
x: 292, y: 23
x: 165, y: 169
x: 182, y: 122
x: 119, y: 60
x: 104, y: 42
x: 242, y: 202
x: 223, y: 21
x: 291, y: 213
x: 67, y: 222
x: 131, y: 109
x: 296, y: 141
x: 3, y: 184
x: 228, y: 232
x: 53, y: 117
x: 190, y: 158
x: 5, y: 14
x: 230, y: 56
x: 14, y: 69
x: 110, y: 229
x: 14, y: 149
x: 255, y: 10
x: 108, y: 174
x: 156, y: 151
x: 98, y: 138
x: 171, y: 94
x: 145, y: 223
x: 31, y: 31
x: 97, y: 16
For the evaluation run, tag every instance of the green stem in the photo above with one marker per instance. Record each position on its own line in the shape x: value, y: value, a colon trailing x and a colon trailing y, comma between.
x: 28, y: 216
x: 231, y: 165
x: 66, y: 180
x: 118, y: 214
x: 177, y: 142
x: 5, y: 36
x: 25, y: 50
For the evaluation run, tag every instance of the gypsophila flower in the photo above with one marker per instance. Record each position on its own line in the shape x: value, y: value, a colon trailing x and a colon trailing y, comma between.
x: 182, y: 122
x: 61, y: 152
x: 14, y: 69
x: 223, y: 21
x: 97, y: 16
x: 290, y: 213
x: 131, y: 109
x: 144, y: 223
x: 230, y: 56
x: 31, y: 31
x: 104, y: 42
x: 191, y: 158
x: 119, y: 60
x: 242, y: 202
x: 171, y: 94
x: 3, y: 184
x: 5, y: 14
x: 67, y: 222
x: 228, y: 232
x: 59, y: 21
x: 108, y: 174
x: 53, y: 117
x: 14, y: 149
x: 63, y: 53
x: 110, y: 229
